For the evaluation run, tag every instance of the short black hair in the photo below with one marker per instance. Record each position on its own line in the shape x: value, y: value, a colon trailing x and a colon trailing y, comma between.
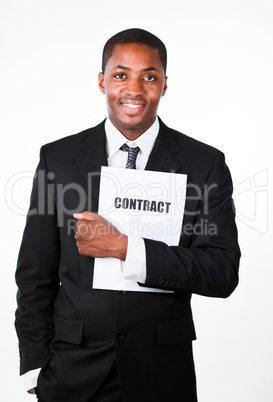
x: 134, y: 35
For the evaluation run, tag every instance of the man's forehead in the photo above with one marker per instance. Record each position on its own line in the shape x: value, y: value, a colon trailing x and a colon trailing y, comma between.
x: 123, y: 54
x: 133, y: 47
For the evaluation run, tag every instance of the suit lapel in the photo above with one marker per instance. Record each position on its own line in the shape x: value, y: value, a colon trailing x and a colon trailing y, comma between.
x: 162, y: 155
x: 91, y: 158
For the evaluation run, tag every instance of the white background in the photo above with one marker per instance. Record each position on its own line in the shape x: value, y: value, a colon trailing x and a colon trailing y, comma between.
x: 220, y: 92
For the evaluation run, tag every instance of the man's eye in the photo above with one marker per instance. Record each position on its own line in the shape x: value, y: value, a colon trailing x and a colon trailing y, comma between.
x: 149, y: 78
x: 120, y: 76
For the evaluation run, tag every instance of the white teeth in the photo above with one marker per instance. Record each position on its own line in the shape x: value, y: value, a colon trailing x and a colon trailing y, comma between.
x: 132, y: 106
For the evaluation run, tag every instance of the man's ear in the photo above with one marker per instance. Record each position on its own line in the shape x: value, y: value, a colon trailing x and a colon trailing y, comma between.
x: 101, y: 82
x: 165, y: 86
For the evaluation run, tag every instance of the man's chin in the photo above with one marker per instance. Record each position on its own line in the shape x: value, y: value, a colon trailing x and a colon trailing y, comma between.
x: 132, y: 124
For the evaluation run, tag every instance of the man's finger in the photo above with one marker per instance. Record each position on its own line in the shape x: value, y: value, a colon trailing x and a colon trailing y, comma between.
x: 88, y: 216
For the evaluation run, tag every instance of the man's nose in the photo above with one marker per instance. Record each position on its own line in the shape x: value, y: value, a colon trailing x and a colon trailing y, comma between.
x: 134, y: 87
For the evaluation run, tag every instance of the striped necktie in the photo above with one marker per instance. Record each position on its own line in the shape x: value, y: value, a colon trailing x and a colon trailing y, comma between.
x: 132, y: 154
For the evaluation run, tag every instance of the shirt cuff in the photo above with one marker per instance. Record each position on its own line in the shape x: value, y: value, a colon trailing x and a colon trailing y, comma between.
x: 31, y: 378
x: 134, y: 266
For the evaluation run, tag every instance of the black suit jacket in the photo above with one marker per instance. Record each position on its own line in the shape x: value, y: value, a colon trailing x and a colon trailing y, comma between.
x: 149, y: 335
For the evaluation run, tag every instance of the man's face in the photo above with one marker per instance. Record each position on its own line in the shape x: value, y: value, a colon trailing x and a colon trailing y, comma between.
x: 133, y: 82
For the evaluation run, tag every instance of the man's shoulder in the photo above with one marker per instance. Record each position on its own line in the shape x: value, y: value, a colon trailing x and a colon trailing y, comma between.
x: 187, y: 144
x: 73, y: 142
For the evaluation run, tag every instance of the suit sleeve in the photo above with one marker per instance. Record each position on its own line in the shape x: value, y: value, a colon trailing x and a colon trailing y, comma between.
x: 37, y: 274
x: 208, y: 264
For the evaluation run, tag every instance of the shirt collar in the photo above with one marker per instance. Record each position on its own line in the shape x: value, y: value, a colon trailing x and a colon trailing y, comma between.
x: 115, y: 139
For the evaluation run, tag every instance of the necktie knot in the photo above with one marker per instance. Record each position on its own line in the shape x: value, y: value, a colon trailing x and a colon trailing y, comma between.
x: 132, y: 154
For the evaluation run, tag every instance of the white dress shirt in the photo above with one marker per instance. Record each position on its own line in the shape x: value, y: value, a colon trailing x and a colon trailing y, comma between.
x: 134, y: 267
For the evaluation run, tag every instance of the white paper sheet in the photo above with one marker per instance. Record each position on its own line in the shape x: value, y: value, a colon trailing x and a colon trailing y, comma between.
x: 139, y: 203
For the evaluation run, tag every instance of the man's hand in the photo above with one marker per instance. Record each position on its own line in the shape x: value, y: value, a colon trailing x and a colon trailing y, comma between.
x: 97, y: 237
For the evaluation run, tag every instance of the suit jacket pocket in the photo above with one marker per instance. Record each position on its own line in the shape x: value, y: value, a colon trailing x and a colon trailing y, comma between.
x: 68, y: 329
x: 175, y: 331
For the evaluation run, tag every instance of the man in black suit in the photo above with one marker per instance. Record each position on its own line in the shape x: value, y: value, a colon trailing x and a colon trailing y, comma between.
x: 102, y: 345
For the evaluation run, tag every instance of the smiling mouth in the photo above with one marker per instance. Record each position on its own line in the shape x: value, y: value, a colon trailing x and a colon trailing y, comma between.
x: 131, y: 105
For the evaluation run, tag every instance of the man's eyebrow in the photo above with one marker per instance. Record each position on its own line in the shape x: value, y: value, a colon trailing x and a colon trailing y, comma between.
x: 150, y: 69
x: 121, y: 67
x: 128, y: 68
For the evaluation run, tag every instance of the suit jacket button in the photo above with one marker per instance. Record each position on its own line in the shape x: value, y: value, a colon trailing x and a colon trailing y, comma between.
x: 172, y: 282
x: 160, y: 280
x: 121, y: 292
x: 178, y: 283
x: 166, y: 282
x: 121, y: 334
